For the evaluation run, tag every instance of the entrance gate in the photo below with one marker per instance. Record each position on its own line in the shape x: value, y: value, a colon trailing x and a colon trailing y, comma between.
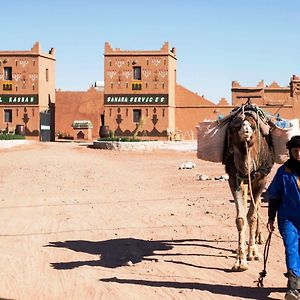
x: 45, y: 126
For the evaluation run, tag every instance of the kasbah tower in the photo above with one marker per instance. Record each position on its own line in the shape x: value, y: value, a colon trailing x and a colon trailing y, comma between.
x: 27, y: 92
x: 140, y: 91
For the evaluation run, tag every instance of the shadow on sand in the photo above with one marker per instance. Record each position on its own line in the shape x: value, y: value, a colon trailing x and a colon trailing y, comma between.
x: 117, y: 252
x: 217, y: 289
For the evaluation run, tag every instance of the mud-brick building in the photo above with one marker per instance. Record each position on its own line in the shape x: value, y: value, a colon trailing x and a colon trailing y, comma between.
x: 277, y: 100
x: 27, y: 92
x: 139, y: 91
x: 78, y: 107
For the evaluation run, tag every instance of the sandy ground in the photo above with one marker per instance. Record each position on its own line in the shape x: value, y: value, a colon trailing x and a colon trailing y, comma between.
x: 81, y: 223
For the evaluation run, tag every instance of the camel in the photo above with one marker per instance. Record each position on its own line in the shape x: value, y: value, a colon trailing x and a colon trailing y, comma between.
x: 248, y: 159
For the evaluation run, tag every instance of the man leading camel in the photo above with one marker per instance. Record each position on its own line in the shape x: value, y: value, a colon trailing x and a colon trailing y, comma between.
x: 284, y: 199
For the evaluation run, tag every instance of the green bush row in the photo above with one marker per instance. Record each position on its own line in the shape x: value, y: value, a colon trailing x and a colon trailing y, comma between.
x: 119, y: 139
x: 7, y: 136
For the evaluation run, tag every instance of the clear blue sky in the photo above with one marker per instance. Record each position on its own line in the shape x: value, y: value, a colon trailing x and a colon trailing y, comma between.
x: 217, y: 41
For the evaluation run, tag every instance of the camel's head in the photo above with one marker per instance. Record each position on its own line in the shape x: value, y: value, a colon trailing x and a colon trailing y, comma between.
x: 246, y: 131
x: 243, y: 128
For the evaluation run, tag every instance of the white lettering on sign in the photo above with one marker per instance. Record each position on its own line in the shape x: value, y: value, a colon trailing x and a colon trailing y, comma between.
x: 16, y: 99
x: 20, y: 99
x: 136, y: 99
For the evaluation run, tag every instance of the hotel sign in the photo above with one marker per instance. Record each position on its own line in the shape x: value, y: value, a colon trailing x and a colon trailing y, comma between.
x: 136, y: 99
x: 18, y: 99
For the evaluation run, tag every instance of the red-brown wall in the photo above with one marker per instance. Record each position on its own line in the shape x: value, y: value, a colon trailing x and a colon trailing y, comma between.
x: 71, y: 106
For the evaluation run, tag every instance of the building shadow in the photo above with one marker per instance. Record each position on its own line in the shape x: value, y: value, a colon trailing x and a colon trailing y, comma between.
x: 240, y: 292
x: 118, y: 252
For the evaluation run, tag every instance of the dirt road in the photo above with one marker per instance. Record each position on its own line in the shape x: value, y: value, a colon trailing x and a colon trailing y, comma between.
x: 80, y: 223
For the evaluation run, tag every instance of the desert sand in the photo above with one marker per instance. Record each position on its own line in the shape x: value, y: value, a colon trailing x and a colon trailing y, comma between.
x: 82, y: 223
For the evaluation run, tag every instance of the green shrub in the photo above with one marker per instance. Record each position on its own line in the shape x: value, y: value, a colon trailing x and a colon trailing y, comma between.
x: 7, y: 136
x: 119, y: 139
x: 64, y: 136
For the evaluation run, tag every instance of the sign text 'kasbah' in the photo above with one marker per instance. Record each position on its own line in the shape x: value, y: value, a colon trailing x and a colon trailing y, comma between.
x: 19, y: 99
x: 136, y: 99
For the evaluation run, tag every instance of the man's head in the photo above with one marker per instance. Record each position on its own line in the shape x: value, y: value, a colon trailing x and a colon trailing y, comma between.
x: 294, y: 147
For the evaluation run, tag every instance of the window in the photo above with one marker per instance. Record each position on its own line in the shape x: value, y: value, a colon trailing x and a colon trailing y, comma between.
x: 137, y: 113
x: 7, y: 115
x: 7, y: 86
x: 137, y: 74
x: 136, y: 86
x: 7, y: 73
x: 47, y: 74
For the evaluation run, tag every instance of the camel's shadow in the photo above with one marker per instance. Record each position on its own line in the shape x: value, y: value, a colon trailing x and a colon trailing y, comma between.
x: 118, y: 252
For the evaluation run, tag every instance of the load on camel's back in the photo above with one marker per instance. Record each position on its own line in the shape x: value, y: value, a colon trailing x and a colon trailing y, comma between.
x: 242, y: 141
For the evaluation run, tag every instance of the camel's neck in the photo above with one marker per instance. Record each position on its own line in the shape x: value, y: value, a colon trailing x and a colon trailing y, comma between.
x: 245, y: 160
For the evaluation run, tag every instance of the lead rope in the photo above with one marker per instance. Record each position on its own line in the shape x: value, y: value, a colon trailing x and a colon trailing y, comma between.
x: 263, y: 273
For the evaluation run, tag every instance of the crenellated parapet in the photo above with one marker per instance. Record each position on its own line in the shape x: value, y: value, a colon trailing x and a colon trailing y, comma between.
x: 109, y: 50
x: 274, y: 85
x: 235, y: 84
x: 261, y: 84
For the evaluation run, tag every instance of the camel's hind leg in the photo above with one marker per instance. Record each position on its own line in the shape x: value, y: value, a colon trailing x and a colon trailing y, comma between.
x: 256, y: 196
x: 259, y: 238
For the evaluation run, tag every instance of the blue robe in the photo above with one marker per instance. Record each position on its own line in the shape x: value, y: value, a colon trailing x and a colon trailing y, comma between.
x: 285, y: 190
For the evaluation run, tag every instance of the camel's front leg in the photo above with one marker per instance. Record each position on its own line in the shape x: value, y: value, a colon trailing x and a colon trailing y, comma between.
x: 241, y: 260
x: 252, y: 222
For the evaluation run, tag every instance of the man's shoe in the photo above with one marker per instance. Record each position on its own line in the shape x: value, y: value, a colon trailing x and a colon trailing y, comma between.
x: 292, y: 295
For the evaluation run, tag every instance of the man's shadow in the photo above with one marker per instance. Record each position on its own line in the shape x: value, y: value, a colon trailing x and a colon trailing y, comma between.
x: 119, y: 252
x: 241, y: 292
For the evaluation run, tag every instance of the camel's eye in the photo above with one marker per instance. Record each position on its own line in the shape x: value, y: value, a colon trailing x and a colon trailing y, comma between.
x: 253, y: 126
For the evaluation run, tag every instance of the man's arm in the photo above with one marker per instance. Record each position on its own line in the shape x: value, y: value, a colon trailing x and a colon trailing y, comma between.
x: 272, y: 211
